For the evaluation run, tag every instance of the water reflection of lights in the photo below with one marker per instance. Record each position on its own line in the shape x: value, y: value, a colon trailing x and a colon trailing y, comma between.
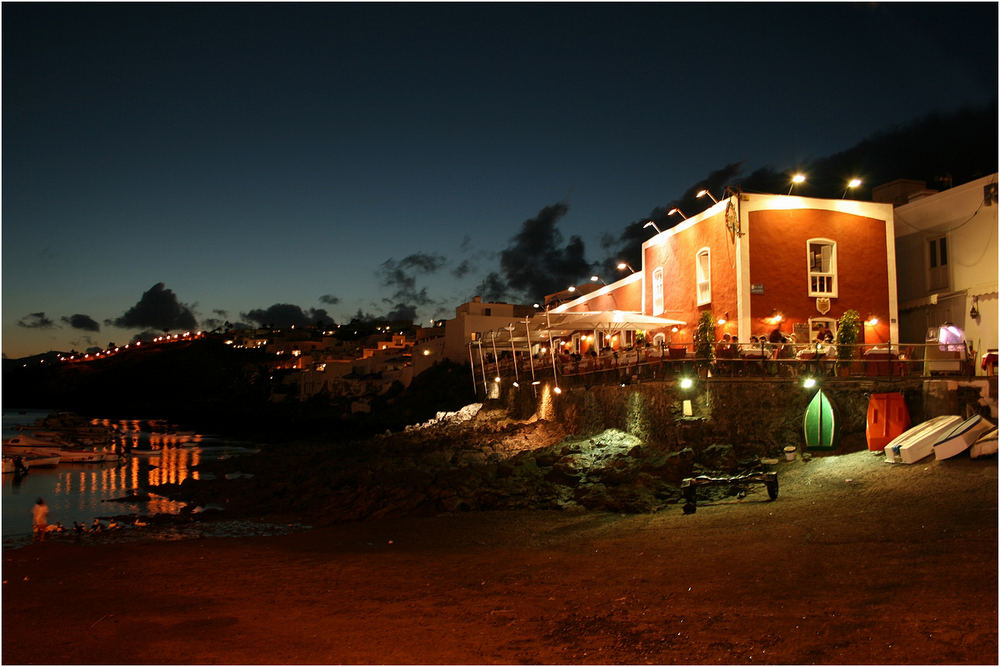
x: 171, y: 466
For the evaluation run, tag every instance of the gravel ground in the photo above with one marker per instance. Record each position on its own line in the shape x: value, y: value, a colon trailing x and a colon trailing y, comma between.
x: 856, y: 562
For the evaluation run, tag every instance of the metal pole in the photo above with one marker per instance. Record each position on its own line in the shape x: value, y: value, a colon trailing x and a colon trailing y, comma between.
x: 496, y: 357
x: 531, y: 362
x: 513, y: 353
x: 552, y: 350
x: 486, y: 389
x: 472, y: 367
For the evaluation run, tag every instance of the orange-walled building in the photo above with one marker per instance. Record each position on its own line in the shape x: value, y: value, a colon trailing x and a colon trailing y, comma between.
x: 750, y: 259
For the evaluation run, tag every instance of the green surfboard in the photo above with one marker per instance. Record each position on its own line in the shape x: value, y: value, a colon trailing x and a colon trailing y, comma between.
x: 820, y: 423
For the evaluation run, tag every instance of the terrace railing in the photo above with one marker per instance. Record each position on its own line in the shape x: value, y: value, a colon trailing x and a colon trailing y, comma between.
x: 883, y: 360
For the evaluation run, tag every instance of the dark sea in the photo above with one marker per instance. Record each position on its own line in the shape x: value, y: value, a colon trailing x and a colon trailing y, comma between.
x: 79, y: 492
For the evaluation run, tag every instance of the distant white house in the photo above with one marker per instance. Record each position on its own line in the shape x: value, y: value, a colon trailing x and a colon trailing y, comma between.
x: 946, y: 261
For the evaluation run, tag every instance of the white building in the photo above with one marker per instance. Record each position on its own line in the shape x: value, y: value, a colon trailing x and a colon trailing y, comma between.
x: 946, y: 262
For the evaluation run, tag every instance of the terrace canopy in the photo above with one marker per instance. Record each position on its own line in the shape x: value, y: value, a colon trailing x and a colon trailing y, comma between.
x: 557, y: 325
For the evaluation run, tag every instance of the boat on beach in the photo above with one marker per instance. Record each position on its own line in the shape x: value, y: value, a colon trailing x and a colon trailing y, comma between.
x: 985, y: 445
x: 961, y: 437
x: 918, y: 442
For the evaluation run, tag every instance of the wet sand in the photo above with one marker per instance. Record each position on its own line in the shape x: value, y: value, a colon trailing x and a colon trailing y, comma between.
x: 856, y: 562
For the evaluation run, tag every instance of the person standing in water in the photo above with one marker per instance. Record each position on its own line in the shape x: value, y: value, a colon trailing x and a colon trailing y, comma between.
x: 40, y: 519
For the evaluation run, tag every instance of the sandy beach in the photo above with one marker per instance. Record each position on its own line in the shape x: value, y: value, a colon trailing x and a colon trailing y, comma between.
x: 856, y: 562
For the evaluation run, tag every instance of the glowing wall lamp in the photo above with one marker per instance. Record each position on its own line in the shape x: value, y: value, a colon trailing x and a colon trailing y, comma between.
x: 851, y: 184
x: 625, y: 265
x: 653, y: 225
x: 686, y: 383
x: 678, y: 212
x: 797, y: 179
x: 809, y: 383
x: 702, y: 193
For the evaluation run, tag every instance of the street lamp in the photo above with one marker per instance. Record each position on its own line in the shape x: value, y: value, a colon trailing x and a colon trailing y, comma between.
x: 851, y: 184
x: 796, y: 179
x: 653, y: 225
x: 625, y: 265
x: 702, y: 193
x: 678, y: 212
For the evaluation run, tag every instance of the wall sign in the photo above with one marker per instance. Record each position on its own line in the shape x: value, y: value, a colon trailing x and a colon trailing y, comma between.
x: 757, y: 288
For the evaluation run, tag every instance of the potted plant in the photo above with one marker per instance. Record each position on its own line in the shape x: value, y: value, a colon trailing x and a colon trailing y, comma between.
x: 704, y: 341
x: 848, y: 328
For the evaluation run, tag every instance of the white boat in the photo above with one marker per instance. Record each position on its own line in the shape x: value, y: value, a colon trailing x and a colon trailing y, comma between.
x: 918, y: 442
x: 961, y: 437
x: 87, y: 456
x: 986, y: 445
x: 38, y: 460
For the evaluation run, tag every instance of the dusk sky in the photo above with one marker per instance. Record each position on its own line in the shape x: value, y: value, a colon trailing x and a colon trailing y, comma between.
x: 219, y: 160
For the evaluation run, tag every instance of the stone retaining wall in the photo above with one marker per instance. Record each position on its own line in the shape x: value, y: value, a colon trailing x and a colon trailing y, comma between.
x: 756, y: 417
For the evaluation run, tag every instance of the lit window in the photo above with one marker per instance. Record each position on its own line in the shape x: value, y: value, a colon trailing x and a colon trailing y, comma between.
x: 822, y: 261
x: 703, y: 266
x: 658, y: 291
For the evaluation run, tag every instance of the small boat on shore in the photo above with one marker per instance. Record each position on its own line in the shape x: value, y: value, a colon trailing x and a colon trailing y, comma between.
x: 887, y: 418
x: 918, y: 442
x: 36, y: 460
x: 819, y: 423
x: 985, y: 445
x: 961, y: 437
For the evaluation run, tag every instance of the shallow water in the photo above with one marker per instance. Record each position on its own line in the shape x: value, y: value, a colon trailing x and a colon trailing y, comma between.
x: 79, y: 492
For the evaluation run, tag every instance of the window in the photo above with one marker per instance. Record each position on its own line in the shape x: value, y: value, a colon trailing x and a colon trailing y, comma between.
x: 703, y: 266
x: 937, y: 249
x: 658, y: 291
x: 821, y: 255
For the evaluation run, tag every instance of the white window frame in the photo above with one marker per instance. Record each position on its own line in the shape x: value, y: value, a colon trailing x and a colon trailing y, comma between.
x: 819, y: 279
x: 658, y: 291
x: 703, y: 276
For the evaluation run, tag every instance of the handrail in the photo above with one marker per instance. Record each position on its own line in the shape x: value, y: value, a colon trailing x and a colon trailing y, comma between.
x: 744, y: 359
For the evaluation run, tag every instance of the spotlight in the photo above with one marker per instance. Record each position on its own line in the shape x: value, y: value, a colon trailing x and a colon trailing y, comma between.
x: 686, y: 383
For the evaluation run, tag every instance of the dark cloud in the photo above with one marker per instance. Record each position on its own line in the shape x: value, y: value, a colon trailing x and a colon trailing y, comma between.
x: 285, y: 315
x: 224, y: 314
x: 35, y: 321
x: 84, y: 322
x: 536, y: 263
x: 402, y: 312
x: 157, y: 309
x: 329, y: 299
x: 401, y: 276
x: 627, y: 246
x: 462, y: 269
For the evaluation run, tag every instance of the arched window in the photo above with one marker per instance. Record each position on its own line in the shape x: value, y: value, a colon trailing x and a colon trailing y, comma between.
x: 658, y: 291
x: 703, y: 268
x: 821, y: 258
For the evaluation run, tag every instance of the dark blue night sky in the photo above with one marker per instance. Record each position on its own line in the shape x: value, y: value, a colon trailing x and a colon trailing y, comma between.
x: 379, y: 157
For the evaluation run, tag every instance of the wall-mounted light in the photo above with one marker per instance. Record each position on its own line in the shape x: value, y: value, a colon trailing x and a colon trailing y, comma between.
x: 851, y: 184
x: 702, y: 193
x: 625, y: 265
x: 678, y: 212
x: 797, y: 179
x: 653, y: 225
x: 686, y: 383
x: 809, y: 382
x: 872, y: 320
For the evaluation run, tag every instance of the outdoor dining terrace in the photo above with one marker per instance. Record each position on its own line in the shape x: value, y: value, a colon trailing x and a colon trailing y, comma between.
x: 741, y: 360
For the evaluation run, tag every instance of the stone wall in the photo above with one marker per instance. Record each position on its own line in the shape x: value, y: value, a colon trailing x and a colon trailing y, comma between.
x: 755, y: 417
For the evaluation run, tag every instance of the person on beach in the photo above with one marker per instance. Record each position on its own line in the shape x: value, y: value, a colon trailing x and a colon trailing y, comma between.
x: 40, y: 519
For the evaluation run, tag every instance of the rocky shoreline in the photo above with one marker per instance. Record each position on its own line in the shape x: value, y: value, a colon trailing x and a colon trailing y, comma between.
x: 475, y: 459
